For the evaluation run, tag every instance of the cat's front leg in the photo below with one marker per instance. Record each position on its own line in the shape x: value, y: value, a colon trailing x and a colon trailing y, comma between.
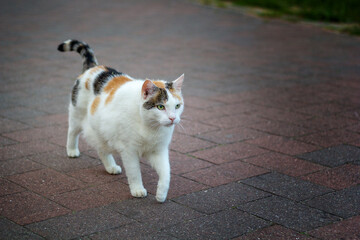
x: 160, y: 162
x: 133, y: 173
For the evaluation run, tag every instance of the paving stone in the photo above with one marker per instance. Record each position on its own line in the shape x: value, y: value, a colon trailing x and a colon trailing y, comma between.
x: 283, y: 116
x: 284, y: 164
x: 344, y: 203
x: 221, y: 225
x: 181, y: 163
x: 133, y: 231
x: 83, y: 146
x: 10, y: 230
x: 333, y: 156
x: 148, y: 210
x: 200, y: 115
x: 63, y: 163
x: 93, y: 197
x: 184, y: 144
x: 25, y: 149
x: 346, y: 229
x: 274, y: 232
x: 225, y: 173
x: 79, y: 223
x: 283, y: 145
x: 7, y: 187
x: 325, y: 109
x: 328, y: 123
x: 231, y: 135
x: 240, y: 120
x: 26, y: 207
x: 201, y: 103
x: 17, y: 166
x: 337, y: 178
x: 288, y: 213
x: 47, y: 120
x: 228, y: 153
x: 46, y: 181
x: 7, y: 125
x: 95, y: 175
x: 331, y: 138
x: 20, y: 113
x: 286, y: 186
x: 220, y: 198
x: 281, y: 128
x: 189, y: 127
x: 6, y: 141
x: 34, y: 134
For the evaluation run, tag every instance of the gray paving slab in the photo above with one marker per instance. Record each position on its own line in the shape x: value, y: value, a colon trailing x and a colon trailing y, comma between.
x: 10, y: 230
x: 288, y: 213
x: 344, y: 203
x: 80, y: 223
x: 148, y: 210
x: 220, y: 198
x: 222, y: 225
x: 286, y: 186
x: 333, y: 156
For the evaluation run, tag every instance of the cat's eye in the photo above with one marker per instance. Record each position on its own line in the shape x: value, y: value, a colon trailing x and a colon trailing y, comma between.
x: 160, y: 107
x: 177, y: 106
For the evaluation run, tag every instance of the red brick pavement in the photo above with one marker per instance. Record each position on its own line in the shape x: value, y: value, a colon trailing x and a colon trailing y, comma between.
x: 269, y: 143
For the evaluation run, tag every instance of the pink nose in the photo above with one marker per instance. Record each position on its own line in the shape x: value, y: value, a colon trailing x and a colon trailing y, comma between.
x: 172, y: 119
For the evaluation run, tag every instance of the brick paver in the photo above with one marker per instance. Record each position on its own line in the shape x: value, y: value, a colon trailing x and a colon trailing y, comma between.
x: 268, y: 147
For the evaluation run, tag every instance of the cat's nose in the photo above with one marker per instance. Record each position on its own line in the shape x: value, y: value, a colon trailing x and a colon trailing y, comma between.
x: 172, y: 119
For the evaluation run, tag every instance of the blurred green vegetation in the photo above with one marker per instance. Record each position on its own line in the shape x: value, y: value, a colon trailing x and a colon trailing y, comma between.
x: 339, y: 11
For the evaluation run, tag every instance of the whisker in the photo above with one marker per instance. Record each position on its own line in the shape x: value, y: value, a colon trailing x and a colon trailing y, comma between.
x: 182, y: 127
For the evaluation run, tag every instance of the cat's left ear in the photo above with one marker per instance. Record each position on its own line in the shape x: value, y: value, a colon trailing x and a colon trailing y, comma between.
x: 177, y: 84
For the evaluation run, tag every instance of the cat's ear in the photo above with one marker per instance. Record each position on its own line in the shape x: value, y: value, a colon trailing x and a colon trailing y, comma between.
x: 177, y: 84
x: 148, y: 89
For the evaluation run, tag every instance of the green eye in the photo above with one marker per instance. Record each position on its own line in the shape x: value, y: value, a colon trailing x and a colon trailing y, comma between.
x: 177, y: 106
x: 160, y: 107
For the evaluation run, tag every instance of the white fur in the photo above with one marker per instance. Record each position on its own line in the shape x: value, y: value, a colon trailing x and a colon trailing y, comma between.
x: 126, y: 127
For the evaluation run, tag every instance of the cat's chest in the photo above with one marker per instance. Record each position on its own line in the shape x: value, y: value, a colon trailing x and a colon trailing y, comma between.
x: 155, y: 141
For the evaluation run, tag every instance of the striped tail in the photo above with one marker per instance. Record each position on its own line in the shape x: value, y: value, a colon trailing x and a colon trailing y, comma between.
x: 83, y: 49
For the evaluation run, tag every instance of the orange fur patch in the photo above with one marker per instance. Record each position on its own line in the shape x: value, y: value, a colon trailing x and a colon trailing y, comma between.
x: 159, y: 84
x: 95, y: 105
x: 113, y: 86
x: 173, y: 92
x: 95, y: 69
x: 87, y: 83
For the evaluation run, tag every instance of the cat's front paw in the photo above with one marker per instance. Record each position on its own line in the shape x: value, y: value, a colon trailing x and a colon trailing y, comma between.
x: 138, y: 192
x: 73, y: 153
x: 161, y: 197
x: 114, y: 170
x: 162, y: 192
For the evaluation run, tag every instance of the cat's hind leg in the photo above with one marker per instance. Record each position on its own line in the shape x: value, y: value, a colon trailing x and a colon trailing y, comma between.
x: 76, y: 117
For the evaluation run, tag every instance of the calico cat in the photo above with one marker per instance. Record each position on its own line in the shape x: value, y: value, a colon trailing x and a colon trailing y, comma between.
x: 118, y: 113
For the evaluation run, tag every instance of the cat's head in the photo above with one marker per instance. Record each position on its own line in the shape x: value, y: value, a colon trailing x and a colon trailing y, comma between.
x: 162, y: 102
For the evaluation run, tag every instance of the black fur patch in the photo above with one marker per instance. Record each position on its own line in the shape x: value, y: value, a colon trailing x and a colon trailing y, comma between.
x: 103, y: 78
x: 169, y: 85
x: 61, y: 47
x: 73, y: 43
x: 75, y: 92
x: 158, y: 98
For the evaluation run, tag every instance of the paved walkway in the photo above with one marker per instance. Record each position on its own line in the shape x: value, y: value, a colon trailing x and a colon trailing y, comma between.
x: 271, y: 142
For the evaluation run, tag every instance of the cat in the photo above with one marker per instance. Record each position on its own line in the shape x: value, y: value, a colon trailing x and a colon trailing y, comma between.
x: 118, y: 113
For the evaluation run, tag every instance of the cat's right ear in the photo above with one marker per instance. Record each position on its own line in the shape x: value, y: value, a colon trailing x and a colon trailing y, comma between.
x: 148, y: 89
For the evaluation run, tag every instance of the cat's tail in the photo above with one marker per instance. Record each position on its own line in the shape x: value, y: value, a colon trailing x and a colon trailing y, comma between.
x: 89, y: 59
